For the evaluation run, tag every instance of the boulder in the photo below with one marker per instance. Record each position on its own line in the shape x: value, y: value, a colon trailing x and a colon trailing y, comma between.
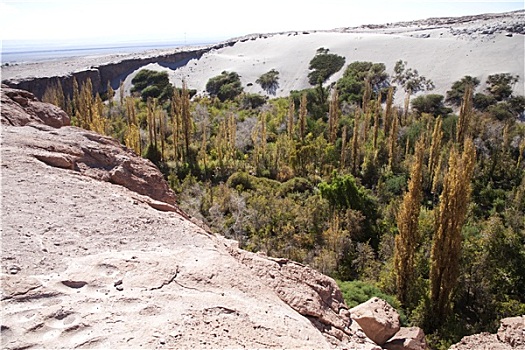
x: 53, y: 142
x: 408, y: 338
x: 482, y: 341
x: 377, y: 318
x: 20, y: 107
x: 510, y: 336
x: 512, y: 331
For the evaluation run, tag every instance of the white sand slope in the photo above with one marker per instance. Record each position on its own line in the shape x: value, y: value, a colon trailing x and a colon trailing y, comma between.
x: 441, y: 49
x: 442, y: 58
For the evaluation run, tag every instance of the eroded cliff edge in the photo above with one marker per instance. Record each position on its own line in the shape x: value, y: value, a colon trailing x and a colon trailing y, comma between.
x: 89, y: 260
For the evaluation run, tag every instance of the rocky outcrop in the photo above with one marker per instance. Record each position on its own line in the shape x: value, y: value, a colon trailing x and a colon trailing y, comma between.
x: 510, y: 336
x: 20, y: 107
x: 86, y: 263
x: 407, y: 338
x: 308, y: 292
x: 512, y: 331
x: 78, y: 150
x: 377, y: 318
x: 113, y: 71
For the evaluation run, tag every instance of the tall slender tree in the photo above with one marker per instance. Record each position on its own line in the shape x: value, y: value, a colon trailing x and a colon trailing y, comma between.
x: 333, y: 117
x: 407, y: 240
x: 290, y: 120
x: 446, y: 246
x: 465, y: 115
x: 302, y: 117
x: 187, y: 124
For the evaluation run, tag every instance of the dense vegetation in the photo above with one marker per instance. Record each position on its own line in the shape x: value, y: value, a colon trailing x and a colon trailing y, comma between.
x: 424, y: 206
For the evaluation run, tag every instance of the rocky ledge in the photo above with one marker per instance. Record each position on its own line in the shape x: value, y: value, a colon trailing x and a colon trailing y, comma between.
x: 96, y: 253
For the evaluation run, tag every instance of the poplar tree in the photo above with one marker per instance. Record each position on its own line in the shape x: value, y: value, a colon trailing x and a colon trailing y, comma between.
x: 302, y: 117
x: 333, y: 117
x: 343, y: 147
x: 355, y: 145
x: 150, y: 120
x: 162, y: 132
x: 187, y: 125
x: 388, y: 111
x: 392, y: 145
x: 465, y: 115
x: 435, y: 147
x: 407, y: 240
x: 291, y: 113
x: 176, y: 122
x: 367, y: 94
x: 376, y: 121
x: 446, y: 246
x: 111, y: 94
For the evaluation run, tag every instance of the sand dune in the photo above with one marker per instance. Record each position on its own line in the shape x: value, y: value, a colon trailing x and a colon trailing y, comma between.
x: 442, y: 49
x: 443, y: 53
x: 442, y: 58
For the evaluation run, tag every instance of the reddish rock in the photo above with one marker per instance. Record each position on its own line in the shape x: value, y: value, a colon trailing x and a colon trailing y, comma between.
x: 377, y: 318
x: 58, y: 145
x: 512, y: 331
x: 510, y: 336
x: 20, y: 107
x: 408, y: 338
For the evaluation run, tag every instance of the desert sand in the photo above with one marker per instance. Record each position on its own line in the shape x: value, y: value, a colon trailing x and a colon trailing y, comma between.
x: 443, y: 50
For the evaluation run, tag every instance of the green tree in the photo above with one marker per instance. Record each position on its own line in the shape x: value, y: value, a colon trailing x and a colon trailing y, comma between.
x: 225, y: 86
x: 150, y: 83
x: 323, y: 65
x: 411, y: 81
x: 431, y: 104
x: 352, y: 84
x: 500, y: 85
x: 344, y: 193
x: 457, y: 90
x: 269, y: 81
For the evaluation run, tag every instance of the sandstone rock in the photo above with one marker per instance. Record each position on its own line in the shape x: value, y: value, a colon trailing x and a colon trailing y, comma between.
x: 512, y: 331
x: 307, y: 291
x: 100, y: 267
x: 91, y: 154
x: 377, y: 318
x: 408, y: 338
x: 483, y: 341
x: 20, y: 107
x: 511, y: 335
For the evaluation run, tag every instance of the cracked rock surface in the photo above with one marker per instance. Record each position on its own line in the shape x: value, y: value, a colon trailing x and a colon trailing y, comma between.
x: 91, y: 263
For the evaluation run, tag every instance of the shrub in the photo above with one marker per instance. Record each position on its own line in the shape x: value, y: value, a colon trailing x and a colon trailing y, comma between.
x: 241, y: 181
x: 481, y: 101
x: 431, y: 104
x: 500, y: 85
x: 323, y: 65
x: 269, y: 81
x: 225, y: 86
x: 352, y: 85
x: 456, y: 92
x: 150, y: 83
x: 253, y: 100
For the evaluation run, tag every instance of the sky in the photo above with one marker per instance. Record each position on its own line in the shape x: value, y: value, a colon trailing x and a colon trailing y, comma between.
x: 190, y: 21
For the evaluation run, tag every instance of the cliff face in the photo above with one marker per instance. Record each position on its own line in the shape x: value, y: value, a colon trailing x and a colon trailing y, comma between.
x: 91, y: 261
x: 100, y: 75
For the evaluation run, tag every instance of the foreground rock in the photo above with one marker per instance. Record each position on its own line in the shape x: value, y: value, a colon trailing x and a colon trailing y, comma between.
x: 408, y: 338
x: 377, y: 318
x: 89, y: 261
x: 88, y: 153
x: 510, y: 336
